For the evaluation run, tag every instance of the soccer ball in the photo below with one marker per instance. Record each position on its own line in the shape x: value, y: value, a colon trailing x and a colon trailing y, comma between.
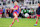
x: 26, y: 15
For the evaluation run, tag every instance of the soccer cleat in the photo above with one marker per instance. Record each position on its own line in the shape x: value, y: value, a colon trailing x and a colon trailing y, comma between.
x: 35, y: 25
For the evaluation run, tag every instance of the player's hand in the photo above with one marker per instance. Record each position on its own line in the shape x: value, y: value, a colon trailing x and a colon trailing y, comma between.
x: 10, y: 8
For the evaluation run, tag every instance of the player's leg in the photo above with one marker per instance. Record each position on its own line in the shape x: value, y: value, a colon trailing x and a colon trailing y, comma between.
x: 17, y: 17
x: 13, y: 20
x: 36, y: 21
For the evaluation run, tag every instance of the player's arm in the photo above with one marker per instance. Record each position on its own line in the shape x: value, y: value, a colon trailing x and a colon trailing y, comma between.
x: 15, y: 8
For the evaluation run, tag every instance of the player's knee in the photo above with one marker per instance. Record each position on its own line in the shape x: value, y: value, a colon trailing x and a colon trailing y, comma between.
x: 15, y: 17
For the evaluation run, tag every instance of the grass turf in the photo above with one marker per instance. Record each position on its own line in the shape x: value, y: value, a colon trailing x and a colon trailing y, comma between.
x: 24, y: 22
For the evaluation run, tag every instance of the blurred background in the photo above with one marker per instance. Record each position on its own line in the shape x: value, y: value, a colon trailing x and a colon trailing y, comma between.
x: 27, y: 8
x: 27, y: 13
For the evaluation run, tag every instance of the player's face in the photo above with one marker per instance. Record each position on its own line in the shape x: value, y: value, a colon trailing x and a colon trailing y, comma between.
x: 15, y: 3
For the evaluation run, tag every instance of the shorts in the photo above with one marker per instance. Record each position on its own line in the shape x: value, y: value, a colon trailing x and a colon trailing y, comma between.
x: 38, y: 15
x: 0, y: 13
x: 16, y: 13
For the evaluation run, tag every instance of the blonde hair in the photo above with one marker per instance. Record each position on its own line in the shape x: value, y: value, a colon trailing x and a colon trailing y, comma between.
x: 16, y: 2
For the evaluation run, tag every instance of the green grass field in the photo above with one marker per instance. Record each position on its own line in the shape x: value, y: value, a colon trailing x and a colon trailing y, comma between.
x: 24, y: 22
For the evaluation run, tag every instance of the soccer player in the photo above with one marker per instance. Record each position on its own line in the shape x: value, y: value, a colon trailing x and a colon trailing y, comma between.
x: 15, y: 13
x: 38, y: 14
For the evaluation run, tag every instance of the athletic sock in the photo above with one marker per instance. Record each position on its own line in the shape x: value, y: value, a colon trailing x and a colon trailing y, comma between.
x: 36, y: 22
x: 16, y: 18
x: 12, y: 23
